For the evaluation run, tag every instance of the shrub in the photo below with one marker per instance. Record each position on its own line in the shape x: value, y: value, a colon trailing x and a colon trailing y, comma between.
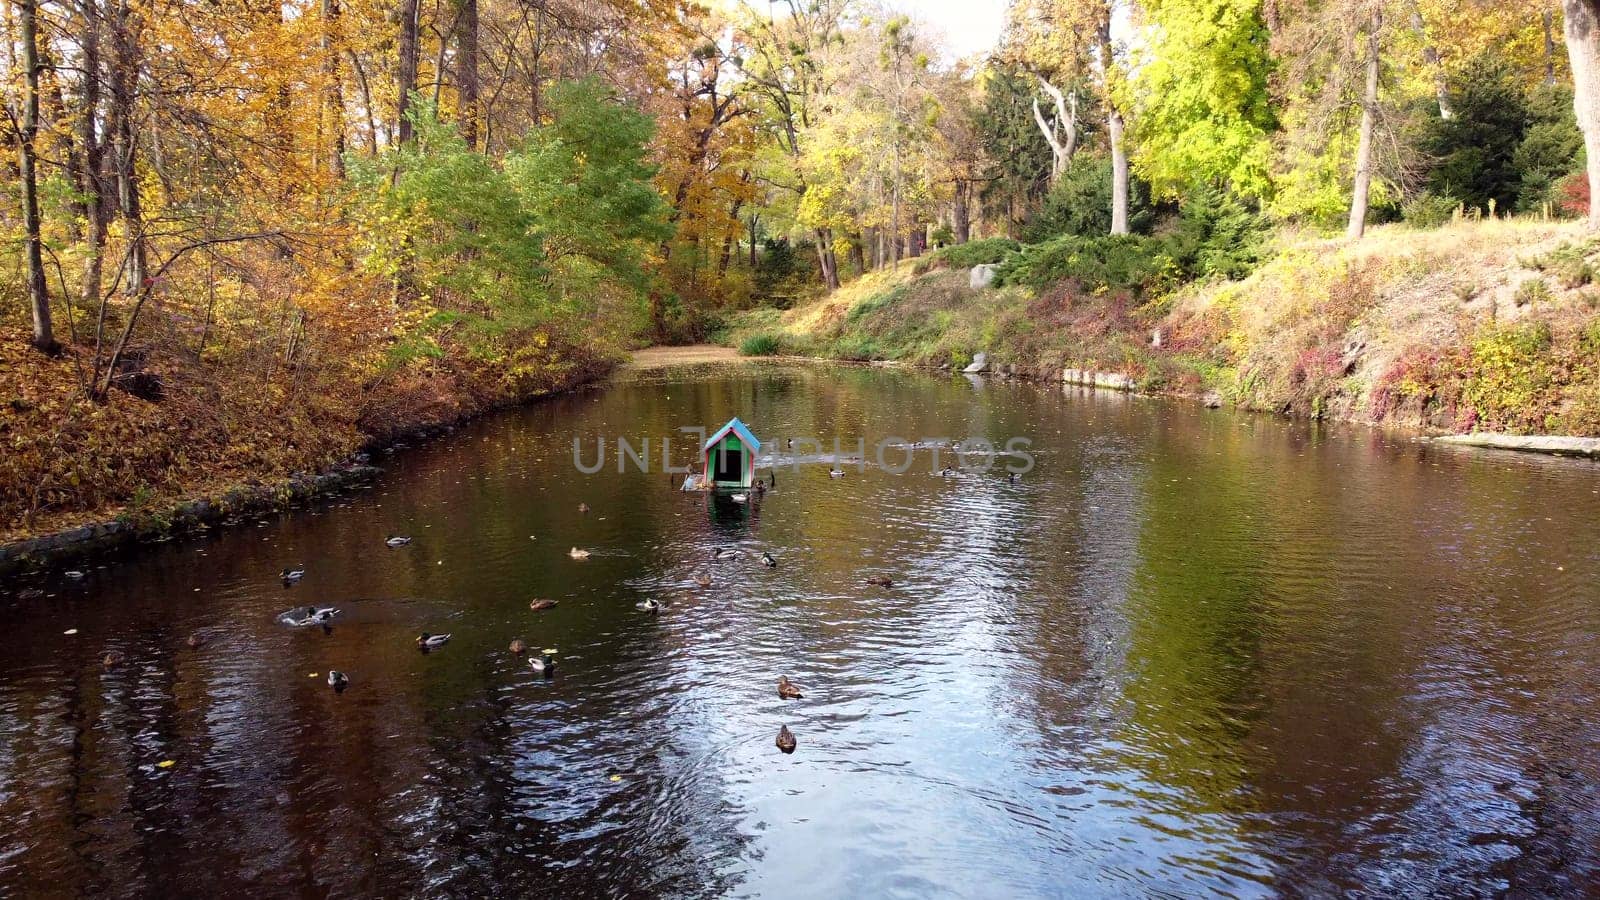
x: 1569, y: 263
x: 1133, y: 263
x: 1428, y: 210
x: 1572, y: 195
x: 1533, y: 290
x: 1216, y: 234
x: 1509, y: 382
x: 972, y: 253
x: 1080, y: 203
x: 761, y: 345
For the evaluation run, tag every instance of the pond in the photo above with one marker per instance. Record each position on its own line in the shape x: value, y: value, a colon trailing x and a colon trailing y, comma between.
x: 1189, y: 651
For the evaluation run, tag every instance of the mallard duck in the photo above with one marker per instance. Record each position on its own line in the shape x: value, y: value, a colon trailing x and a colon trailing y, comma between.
x: 725, y: 553
x: 113, y: 658
x: 835, y: 473
x: 519, y: 647
x: 396, y: 540
x: 739, y: 498
x: 1011, y: 478
x: 786, y: 741
x: 880, y: 581
x: 74, y: 574
x: 787, y: 690
x: 703, y: 579
x: 583, y: 508
x: 431, y: 641
x: 290, y: 576
x: 575, y: 553
x: 338, y: 681
x: 195, y: 642
x: 544, y: 663
x: 768, y: 561
x: 541, y: 604
x: 650, y: 605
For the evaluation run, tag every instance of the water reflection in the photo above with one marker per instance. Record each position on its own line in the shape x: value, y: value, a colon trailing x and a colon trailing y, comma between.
x: 1189, y: 652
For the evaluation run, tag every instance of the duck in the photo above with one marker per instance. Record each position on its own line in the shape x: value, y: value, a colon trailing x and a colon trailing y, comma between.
x: 575, y: 553
x: 740, y: 498
x: 338, y: 681
x: 519, y: 647
x: 544, y: 663
x: 195, y: 642
x: 1011, y: 478
x: 786, y: 741
x: 290, y: 576
x: 583, y: 508
x: 428, y: 641
x: 650, y: 605
x: 318, y: 615
x: 880, y: 581
x: 396, y: 540
x: 539, y: 605
x: 725, y: 553
x: 703, y: 579
x: 768, y: 561
x: 836, y: 473
x: 74, y: 574
x: 113, y: 658
x: 787, y: 690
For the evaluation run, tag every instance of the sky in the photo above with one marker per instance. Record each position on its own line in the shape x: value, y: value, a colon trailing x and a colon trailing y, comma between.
x: 969, y: 26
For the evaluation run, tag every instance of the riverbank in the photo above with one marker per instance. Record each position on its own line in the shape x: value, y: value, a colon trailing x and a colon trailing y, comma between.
x: 1491, y: 326
x: 81, y: 476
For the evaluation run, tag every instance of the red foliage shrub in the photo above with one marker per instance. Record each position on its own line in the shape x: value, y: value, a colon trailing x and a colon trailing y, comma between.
x: 1572, y: 194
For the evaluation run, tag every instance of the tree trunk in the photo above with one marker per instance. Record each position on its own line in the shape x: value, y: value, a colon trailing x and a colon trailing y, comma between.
x: 1547, y: 18
x: 406, y: 68
x: 1061, y: 133
x: 1369, y: 114
x: 332, y: 88
x: 1119, y: 171
x: 1435, y: 64
x: 38, y: 296
x: 963, y: 211
x: 1583, y: 51
x: 124, y: 88
x: 467, y: 86
x: 830, y: 268
x: 95, y: 212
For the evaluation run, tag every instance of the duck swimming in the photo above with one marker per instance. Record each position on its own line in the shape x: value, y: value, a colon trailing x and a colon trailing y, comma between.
x: 195, y: 642
x: 703, y: 579
x: 786, y: 741
x: 880, y: 581
x: 650, y: 605
x: 739, y: 498
x: 290, y: 576
x: 518, y: 647
x: 338, y: 681
x: 396, y: 540
x: 544, y: 663
x: 540, y: 605
x: 315, y: 615
x: 787, y: 690
x: 835, y: 473
x: 428, y: 641
x: 583, y: 508
x: 725, y: 553
x: 575, y: 553
x: 113, y: 658
x: 768, y: 561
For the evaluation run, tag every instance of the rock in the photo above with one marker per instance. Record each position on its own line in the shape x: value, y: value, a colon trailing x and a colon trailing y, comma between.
x: 982, y: 276
x: 1155, y: 339
x: 1212, y: 400
x: 979, y: 364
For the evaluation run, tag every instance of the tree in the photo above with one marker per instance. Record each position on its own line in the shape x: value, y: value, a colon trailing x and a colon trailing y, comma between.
x: 27, y: 169
x: 1369, y: 114
x: 1582, y: 31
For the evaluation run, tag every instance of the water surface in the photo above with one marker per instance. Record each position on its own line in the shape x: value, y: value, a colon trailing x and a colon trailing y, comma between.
x: 1191, y: 652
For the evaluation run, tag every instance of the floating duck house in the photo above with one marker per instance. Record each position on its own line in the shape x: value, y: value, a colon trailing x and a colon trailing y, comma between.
x: 730, y: 456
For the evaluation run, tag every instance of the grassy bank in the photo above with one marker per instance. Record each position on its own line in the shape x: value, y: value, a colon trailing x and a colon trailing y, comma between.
x: 1475, y: 326
x: 209, y: 424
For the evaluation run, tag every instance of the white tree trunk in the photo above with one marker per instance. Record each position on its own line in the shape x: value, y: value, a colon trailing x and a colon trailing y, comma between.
x: 1119, y: 172
x: 1061, y: 133
x: 1583, y: 49
x: 1369, y: 113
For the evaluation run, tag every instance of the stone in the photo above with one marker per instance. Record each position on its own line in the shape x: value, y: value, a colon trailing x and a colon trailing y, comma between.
x: 1212, y: 400
x: 982, y: 276
x: 979, y: 364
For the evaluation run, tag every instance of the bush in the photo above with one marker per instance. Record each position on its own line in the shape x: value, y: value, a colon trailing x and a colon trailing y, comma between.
x: 1572, y: 195
x: 1475, y: 148
x: 965, y: 256
x: 1533, y: 290
x: 1510, y: 383
x: 1428, y: 210
x: 1080, y: 203
x: 1570, y: 265
x: 1134, y: 263
x: 761, y: 345
x: 1217, y: 234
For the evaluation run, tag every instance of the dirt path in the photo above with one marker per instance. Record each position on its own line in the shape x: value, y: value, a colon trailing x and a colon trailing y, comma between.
x: 661, y: 357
